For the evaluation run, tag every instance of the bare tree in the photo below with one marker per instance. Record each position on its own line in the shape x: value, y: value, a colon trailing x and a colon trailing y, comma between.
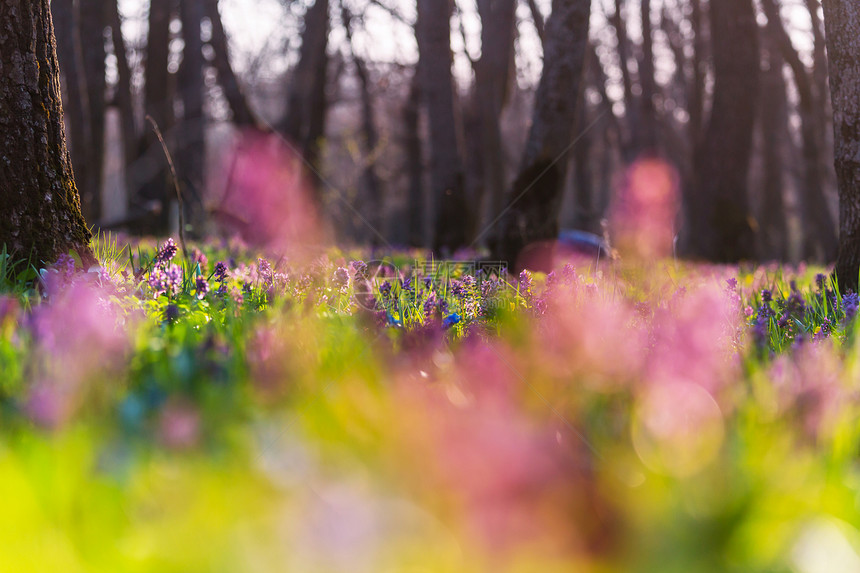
x: 842, y: 18
x: 533, y: 202
x: 42, y: 217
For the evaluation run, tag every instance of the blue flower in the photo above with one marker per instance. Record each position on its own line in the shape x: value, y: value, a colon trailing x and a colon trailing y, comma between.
x: 450, y: 321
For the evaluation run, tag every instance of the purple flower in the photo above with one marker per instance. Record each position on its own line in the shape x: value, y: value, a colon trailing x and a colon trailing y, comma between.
x: 525, y: 284
x: 766, y: 295
x: 819, y: 281
x: 166, y: 252
x: 341, y: 278
x: 65, y: 265
x: 202, y: 287
x: 732, y: 284
x: 359, y: 269
x: 385, y: 289
x: 850, y: 304
x: 220, y: 274
x: 569, y: 273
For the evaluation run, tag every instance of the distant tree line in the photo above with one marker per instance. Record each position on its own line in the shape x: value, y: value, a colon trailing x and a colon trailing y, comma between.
x: 721, y: 90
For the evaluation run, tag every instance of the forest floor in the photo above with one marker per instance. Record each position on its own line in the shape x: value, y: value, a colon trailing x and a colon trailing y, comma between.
x: 224, y: 412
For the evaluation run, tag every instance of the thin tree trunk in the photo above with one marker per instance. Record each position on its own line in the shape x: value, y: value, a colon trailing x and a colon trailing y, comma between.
x: 150, y: 191
x: 124, y: 96
x: 372, y: 183
x: 92, y: 26
x: 243, y: 115
x: 306, y: 102
x: 534, y: 200
x: 697, y: 91
x: 631, y: 107
x: 191, y: 138
x: 719, y: 222
x: 842, y: 18
x: 774, y: 134
x: 447, y: 173
x: 649, y: 84
x: 492, y: 84
x: 819, y: 227
x: 42, y: 217
x: 415, y: 166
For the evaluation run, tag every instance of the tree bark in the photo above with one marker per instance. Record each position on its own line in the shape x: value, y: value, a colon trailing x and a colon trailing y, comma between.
x: 842, y: 19
x: 42, y: 217
x: 76, y: 105
x: 447, y: 174
x: 534, y: 200
x: 719, y: 222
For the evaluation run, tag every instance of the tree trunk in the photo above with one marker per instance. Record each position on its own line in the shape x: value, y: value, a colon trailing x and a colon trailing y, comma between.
x: 774, y: 135
x: 76, y: 103
x: 124, y: 98
x: 372, y: 183
x: 719, y: 222
x: 42, y: 217
x: 534, y: 200
x: 150, y: 191
x: 414, y: 163
x: 648, y: 138
x: 92, y: 26
x: 191, y: 137
x: 304, y: 123
x: 631, y: 107
x: 842, y: 18
x: 447, y: 174
x: 819, y: 228
x: 697, y: 86
x: 492, y: 84
x: 243, y: 115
